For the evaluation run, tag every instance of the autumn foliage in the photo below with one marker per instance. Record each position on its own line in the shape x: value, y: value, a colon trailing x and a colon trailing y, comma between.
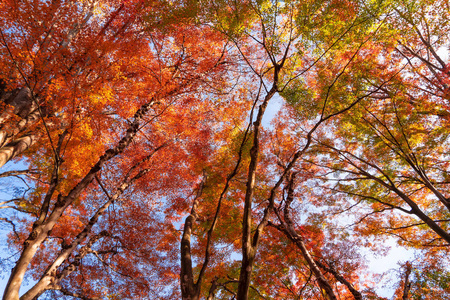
x: 224, y: 149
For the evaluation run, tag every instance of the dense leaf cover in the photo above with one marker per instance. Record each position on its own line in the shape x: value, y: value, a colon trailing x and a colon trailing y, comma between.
x: 224, y: 149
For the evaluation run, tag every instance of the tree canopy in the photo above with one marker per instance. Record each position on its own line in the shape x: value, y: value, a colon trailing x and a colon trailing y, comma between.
x: 255, y: 149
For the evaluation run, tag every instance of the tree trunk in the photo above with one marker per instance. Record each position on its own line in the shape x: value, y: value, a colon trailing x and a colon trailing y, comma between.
x: 189, y: 289
x: 18, y: 103
x: 407, y: 285
x: 249, y: 244
x: 16, y: 147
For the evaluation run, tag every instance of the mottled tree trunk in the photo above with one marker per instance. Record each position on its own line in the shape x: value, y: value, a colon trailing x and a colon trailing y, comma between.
x: 20, y: 111
x: 16, y: 147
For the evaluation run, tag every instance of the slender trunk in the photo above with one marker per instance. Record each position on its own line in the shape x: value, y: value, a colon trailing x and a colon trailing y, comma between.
x: 407, y: 285
x: 212, y: 290
x: 50, y: 279
x: 49, y: 276
x: 189, y: 289
x: 248, y: 245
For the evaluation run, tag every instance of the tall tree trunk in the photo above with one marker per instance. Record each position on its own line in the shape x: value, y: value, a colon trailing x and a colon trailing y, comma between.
x: 189, y: 289
x: 249, y: 244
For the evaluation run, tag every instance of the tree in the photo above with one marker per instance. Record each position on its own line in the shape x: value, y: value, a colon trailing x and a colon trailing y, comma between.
x: 276, y: 42
x: 154, y: 172
x: 117, y: 81
x: 394, y: 161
